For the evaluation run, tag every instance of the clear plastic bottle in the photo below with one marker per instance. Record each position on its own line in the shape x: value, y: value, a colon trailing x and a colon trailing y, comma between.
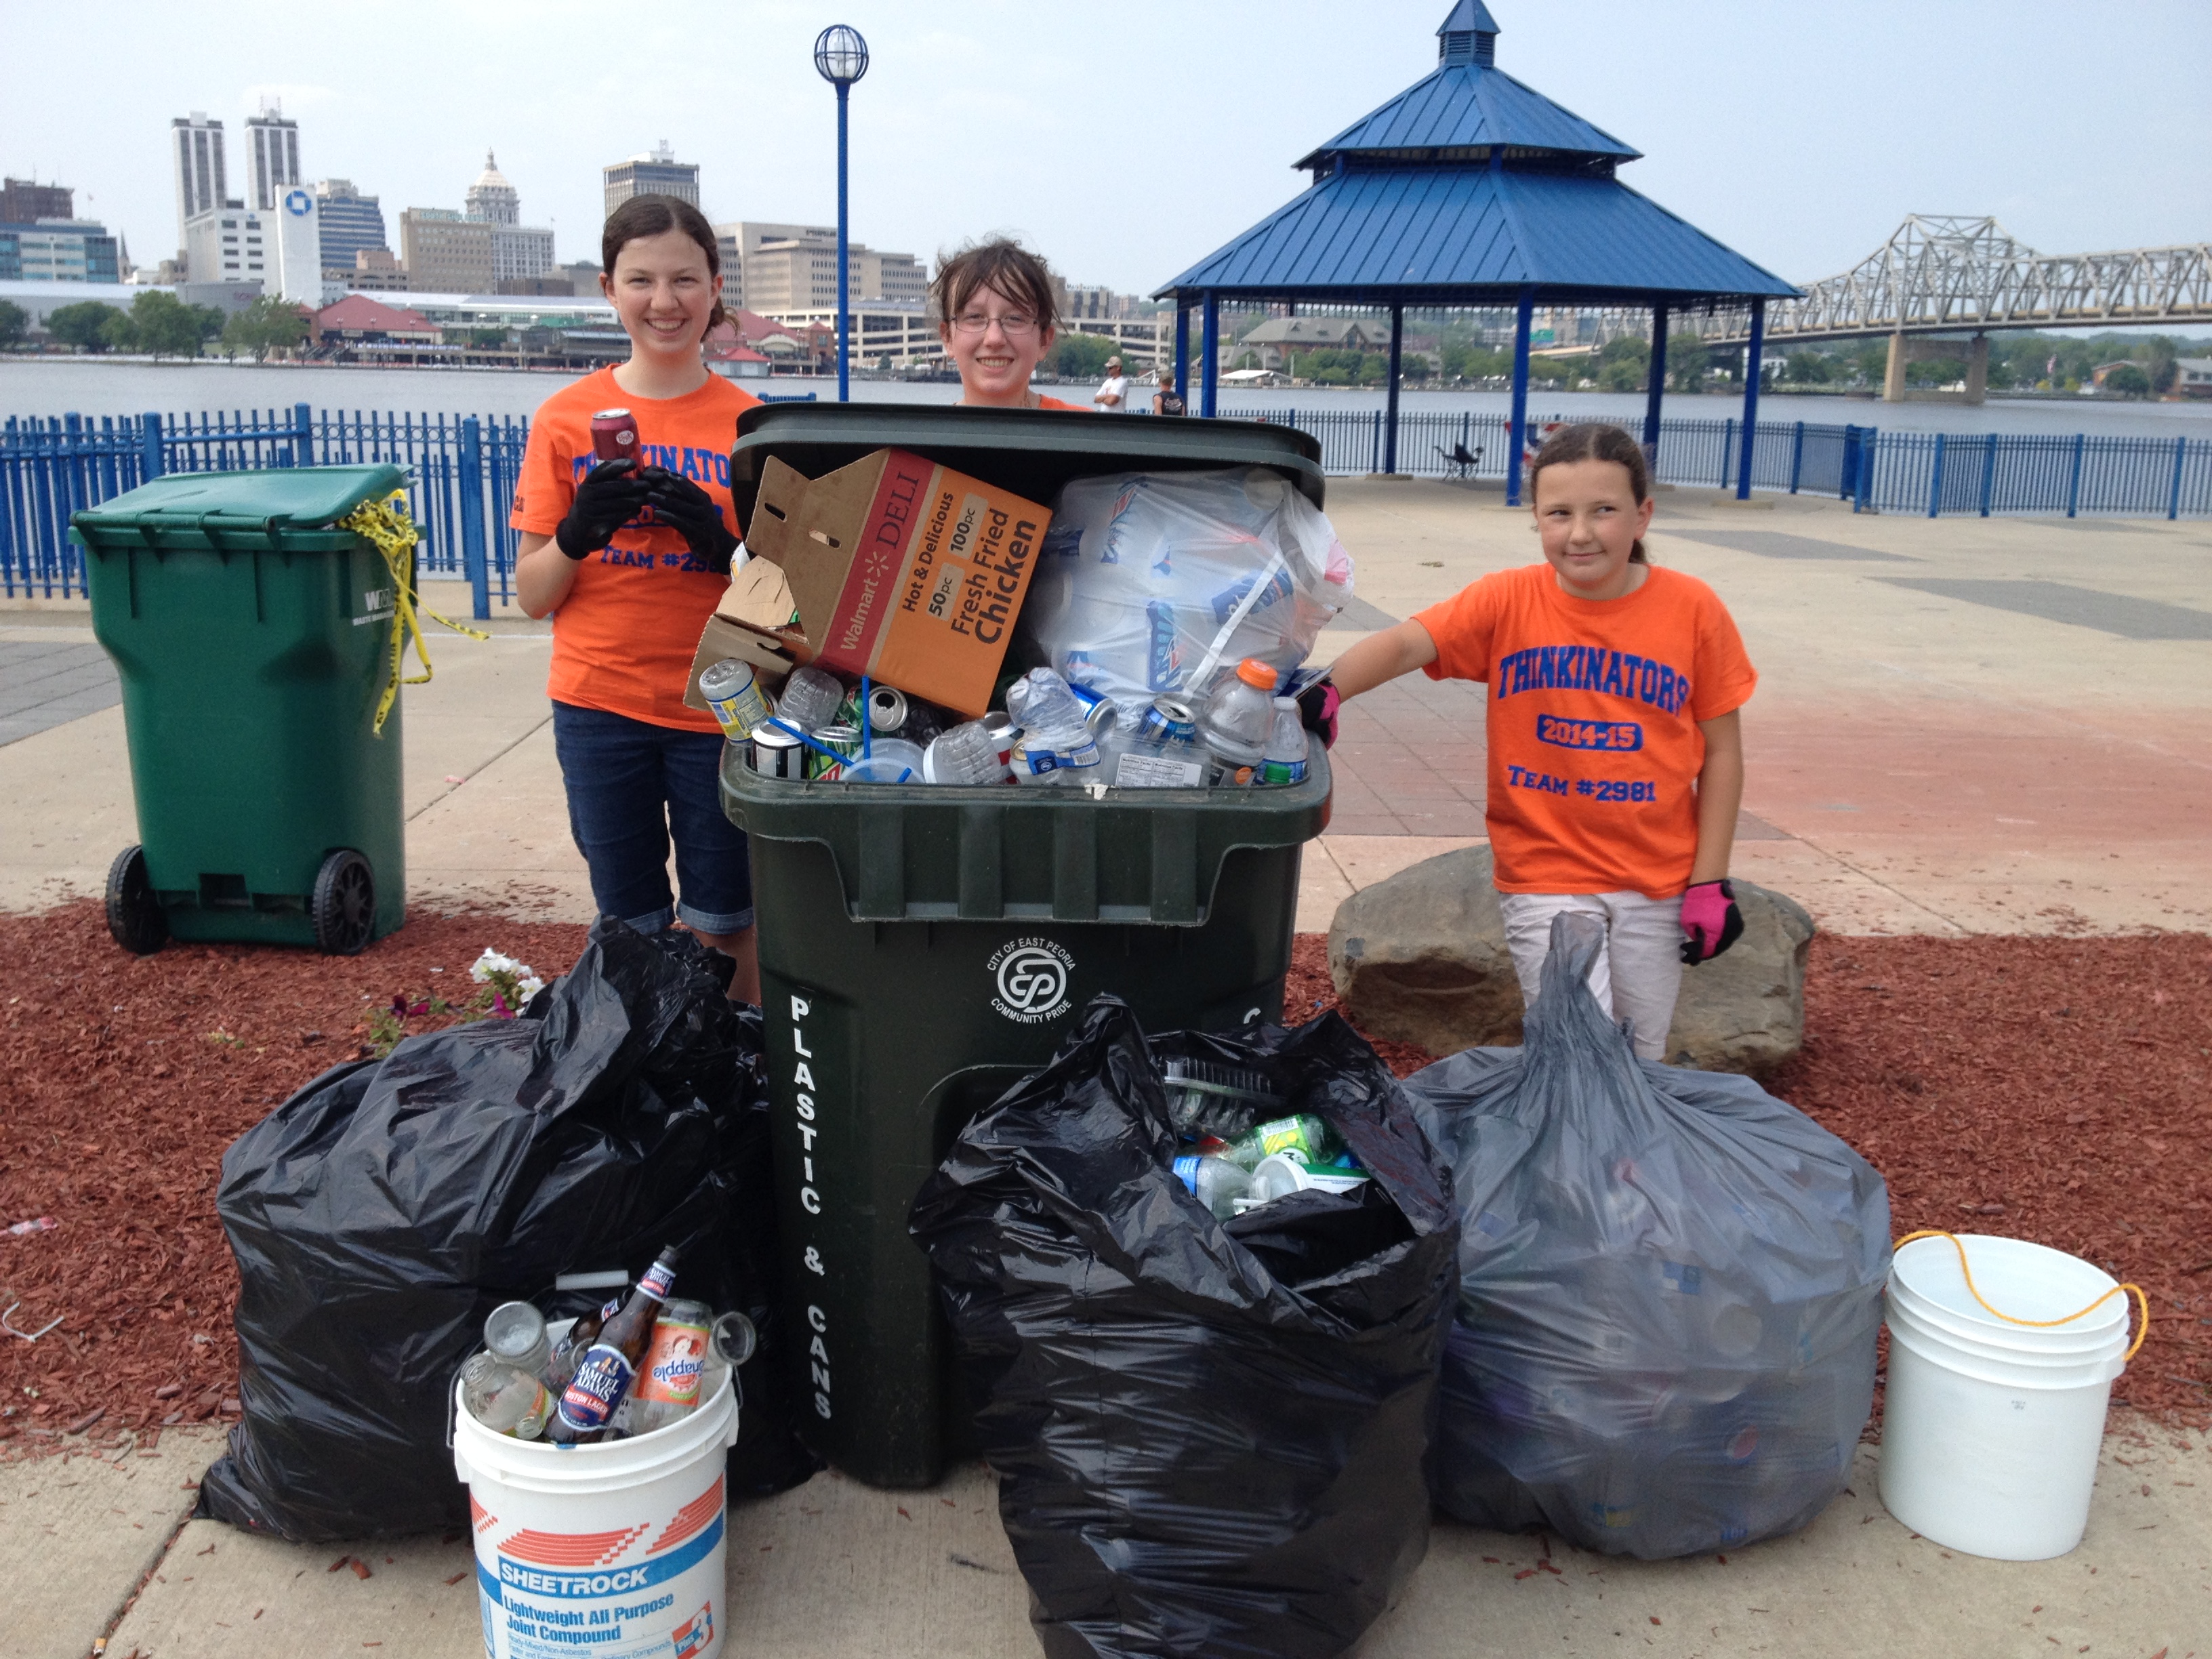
x: 1217, y: 1182
x: 1284, y: 761
x: 966, y: 754
x: 1238, y: 720
x: 809, y: 699
x: 1056, y: 745
x: 1042, y: 701
x: 504, y: 1400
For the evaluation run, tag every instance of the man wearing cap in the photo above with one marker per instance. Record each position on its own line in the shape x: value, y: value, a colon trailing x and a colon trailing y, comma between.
x: 1113, y: 391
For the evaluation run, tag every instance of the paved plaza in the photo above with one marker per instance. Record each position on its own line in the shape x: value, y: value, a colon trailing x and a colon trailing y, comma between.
x: 1962, y: 726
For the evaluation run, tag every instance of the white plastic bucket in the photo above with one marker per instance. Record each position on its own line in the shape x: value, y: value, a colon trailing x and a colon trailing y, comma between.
x: 2028, y: 1281
x: 1990, y: 1430
x: 615, y: 1550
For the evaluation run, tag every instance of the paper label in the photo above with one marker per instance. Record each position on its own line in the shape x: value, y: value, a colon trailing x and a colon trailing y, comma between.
x: 1157, y: 772
x: 674, y: 1363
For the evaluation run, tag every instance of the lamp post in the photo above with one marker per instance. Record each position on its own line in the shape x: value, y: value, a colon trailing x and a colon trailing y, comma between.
x: 841, y: 56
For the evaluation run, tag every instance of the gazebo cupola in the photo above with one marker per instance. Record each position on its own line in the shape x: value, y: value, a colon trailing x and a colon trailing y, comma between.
x: 1471, y: 189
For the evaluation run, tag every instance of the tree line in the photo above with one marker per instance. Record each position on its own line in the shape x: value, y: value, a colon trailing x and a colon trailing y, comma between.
x: 162, y: 325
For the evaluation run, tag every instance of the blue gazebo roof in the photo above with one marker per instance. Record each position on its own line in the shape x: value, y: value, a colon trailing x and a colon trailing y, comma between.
x: 1469, y: 188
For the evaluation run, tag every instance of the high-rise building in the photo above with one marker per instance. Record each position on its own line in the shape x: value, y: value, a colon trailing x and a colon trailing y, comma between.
x: 780, y: 269
x: 653, y: 172
x: 196, y: 144
x: 23, y: 203
x: 272, y: 158
x: 446, y: 252
x: 491, y: 199
x: 352, y: 224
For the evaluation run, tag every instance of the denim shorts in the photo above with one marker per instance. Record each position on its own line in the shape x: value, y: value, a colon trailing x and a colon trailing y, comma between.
x: 632, y: 786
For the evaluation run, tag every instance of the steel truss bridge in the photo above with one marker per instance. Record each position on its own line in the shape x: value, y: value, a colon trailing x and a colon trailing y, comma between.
x: 1942, y: 274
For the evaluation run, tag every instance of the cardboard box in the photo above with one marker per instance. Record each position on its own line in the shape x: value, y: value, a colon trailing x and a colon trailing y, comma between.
x: 752, y: 622
x: 902, y: 569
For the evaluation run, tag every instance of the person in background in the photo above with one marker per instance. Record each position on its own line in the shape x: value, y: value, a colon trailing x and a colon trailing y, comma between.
x: 629, y: 557
x: 1616, y: 753
x: 996, y: 316
x: 1166, y: 400
x: 1113, y: 391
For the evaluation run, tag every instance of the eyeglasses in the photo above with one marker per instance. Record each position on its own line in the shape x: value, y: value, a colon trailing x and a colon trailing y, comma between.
x: 1014, y: 325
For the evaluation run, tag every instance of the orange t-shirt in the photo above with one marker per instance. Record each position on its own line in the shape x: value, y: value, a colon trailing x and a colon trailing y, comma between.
x: 624, y: 637
x: 1054, y: 402
x: 1592, y: 723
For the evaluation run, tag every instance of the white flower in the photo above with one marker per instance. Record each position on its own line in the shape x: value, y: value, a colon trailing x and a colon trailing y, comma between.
x: 528, y: 986
x: 492, y: 962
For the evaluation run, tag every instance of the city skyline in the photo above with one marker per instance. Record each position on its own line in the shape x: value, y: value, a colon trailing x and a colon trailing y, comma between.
x: 1803, y: 168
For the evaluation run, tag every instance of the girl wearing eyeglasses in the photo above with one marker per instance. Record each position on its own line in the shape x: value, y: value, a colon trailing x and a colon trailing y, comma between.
x: 995, y: 315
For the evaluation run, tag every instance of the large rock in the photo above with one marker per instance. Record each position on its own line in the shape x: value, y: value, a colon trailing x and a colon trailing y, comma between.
x: 1421, y: 958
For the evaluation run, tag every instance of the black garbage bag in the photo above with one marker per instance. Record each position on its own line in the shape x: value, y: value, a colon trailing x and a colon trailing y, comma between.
x: 1672, y: 1286
x: 1209, y: 1439
x: 380, y: 1213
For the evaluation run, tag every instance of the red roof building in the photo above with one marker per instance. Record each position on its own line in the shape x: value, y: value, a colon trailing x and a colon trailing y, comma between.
x: 359, y: 320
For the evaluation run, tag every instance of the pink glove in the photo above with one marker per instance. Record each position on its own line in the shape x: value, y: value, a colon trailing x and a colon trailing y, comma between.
x: 1710, y: 921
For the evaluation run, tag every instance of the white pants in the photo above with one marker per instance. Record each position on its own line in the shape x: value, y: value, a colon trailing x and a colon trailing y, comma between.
x: 1636, y: 977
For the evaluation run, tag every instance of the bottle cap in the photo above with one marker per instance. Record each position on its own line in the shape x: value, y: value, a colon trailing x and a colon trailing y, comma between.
x: 1255, y: 673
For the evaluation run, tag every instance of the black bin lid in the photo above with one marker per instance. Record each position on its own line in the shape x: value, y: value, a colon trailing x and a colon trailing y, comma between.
x: 1031, y: 452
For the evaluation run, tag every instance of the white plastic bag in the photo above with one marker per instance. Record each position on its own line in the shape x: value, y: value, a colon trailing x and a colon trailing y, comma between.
x: 1154, y: 583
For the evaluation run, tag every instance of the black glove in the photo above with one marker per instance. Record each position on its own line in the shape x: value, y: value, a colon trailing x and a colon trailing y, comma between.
x: 609, y: 498
x: 1317, y: 706
x: 682, y: 505
x: 1710, y: 919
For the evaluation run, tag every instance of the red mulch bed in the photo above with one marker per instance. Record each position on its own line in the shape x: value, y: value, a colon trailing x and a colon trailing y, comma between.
x: 2063, y: 1080
x: 123, y: 1080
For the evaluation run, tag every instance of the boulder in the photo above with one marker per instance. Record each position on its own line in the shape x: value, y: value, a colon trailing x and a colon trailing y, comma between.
x: 1420, y: 957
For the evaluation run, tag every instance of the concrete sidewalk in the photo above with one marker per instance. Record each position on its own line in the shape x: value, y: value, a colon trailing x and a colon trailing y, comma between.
x: 836, y: 1571
x: 1962, y: 726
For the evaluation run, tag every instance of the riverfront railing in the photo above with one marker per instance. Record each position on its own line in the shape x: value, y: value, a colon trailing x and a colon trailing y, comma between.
x: 461, y: 469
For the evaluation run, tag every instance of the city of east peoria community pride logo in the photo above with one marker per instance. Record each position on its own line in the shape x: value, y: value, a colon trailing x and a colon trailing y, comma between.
x: 299, y: 203
x: 1031, y: 977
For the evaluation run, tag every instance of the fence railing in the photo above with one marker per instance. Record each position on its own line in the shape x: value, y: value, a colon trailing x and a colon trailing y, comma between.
x: 462, y: 470
x: 461, y: 473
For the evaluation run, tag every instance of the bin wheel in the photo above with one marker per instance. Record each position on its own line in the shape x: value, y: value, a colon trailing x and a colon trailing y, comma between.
x: 134, y: 914
x: 345, y: 904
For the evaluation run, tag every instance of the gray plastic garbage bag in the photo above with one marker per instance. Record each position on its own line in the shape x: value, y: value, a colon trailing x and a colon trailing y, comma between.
x: 1209, y: 1439
x: 1672, y: 1283
x: 380, y: 1213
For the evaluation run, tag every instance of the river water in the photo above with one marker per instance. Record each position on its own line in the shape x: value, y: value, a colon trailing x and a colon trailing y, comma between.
x: 51, y: 385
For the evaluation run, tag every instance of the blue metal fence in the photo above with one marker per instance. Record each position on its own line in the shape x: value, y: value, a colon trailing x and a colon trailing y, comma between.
x: 462, y: 470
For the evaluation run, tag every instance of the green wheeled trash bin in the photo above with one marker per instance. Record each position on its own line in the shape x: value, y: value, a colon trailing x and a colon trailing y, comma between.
x: 922, y: 946
x: 253, y: 637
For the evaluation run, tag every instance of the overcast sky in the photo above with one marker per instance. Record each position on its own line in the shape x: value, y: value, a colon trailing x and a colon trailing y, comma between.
x: 1126, y: 141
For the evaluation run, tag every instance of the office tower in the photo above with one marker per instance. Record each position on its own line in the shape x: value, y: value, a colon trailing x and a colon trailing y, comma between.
x: 272, y: 158
x: 352, y: 224
x: 654, y: 173
x: 196, y: 146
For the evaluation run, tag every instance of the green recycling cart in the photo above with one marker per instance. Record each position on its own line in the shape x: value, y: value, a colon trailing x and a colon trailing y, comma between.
x: 254, y: 640
x: 921, y: 947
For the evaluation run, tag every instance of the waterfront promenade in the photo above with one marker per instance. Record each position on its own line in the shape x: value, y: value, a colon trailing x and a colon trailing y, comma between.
x: 1962, y: 726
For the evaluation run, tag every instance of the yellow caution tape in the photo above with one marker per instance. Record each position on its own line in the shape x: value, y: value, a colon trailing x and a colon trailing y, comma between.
x: 386, y: 526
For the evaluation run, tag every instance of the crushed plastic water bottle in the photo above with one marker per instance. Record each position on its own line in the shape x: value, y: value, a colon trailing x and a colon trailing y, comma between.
x: 966, y: 754
x: 809, y: 699
x: 1055, y: 741
x: 1216, y: 1182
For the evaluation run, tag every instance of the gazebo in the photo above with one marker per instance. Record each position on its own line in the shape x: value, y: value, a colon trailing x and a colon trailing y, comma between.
x: 1470, y: 189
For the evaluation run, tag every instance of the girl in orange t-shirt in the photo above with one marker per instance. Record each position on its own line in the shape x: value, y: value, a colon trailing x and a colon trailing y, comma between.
x: 995, y: 315
x: 1616, y: 759
x: 630, y: 558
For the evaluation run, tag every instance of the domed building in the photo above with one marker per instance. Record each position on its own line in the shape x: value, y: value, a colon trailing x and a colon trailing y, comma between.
x: 491, y: 199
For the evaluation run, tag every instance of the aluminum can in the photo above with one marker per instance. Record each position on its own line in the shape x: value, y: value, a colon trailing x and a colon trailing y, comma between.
x: 1162, y: 657
x: 614, y: 434
x: 845, y: 739
x: 1099, y: 714
x: 1169, y: 719
x: 887, y: 709
x: 732, y: 691
x: 1003, y: 732
x: 778, y: 754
